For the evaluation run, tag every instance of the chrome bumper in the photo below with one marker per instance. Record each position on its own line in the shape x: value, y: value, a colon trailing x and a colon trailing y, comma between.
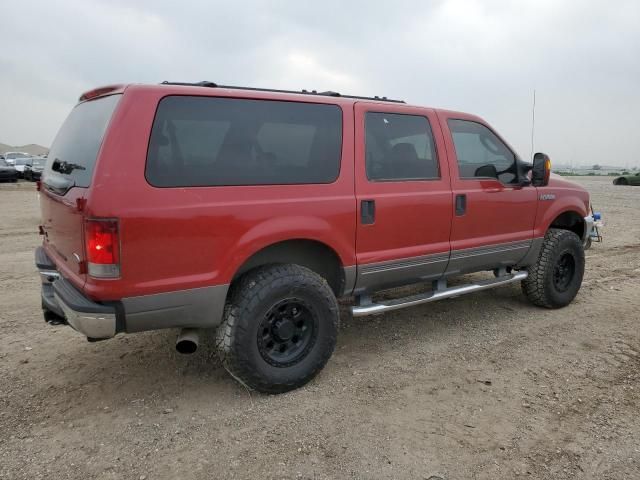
x: 95, y: 320
x: 92, y: 324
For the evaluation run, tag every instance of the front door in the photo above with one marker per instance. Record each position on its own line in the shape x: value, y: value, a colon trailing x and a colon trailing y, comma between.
x: 403, y: 194
x: 493, y: 216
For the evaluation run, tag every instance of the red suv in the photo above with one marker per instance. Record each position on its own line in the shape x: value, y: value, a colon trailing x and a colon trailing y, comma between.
x: 197, y: 206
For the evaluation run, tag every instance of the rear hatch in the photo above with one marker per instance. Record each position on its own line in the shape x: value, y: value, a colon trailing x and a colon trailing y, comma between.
x: 66, y: 180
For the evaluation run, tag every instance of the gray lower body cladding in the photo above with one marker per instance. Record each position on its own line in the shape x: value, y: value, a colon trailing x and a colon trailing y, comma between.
x: 375, y: 276
x: 194, y: 308
x: 487, y: 257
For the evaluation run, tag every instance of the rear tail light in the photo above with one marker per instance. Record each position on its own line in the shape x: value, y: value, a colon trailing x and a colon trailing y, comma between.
x: 102, y: 243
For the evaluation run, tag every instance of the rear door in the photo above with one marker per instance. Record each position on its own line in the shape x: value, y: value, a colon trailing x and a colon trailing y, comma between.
x: 66, y: 180
x: 403, y: 194
x: 493, y: 216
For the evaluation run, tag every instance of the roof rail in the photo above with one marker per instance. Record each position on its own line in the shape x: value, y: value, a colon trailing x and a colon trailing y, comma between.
x: 328, y: 93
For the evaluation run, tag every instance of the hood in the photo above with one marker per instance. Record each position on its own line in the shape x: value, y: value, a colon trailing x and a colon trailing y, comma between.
x: 559, y: 181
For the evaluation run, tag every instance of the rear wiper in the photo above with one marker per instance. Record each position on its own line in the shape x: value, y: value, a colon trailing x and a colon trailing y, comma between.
x: 65, y: 167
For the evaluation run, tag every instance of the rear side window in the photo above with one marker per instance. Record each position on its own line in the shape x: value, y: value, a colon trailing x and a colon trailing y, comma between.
x: 75, y: 148
x: 205, y: 141
x: 399, y: 147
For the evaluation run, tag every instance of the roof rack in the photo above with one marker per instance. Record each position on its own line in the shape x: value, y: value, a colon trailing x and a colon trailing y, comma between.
x: 303, y: 92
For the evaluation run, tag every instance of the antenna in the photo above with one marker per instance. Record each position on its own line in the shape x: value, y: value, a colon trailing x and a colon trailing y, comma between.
x: 533, y: 120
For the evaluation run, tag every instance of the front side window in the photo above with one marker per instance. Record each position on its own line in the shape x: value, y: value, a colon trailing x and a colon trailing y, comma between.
x: 399, y: 147
x: 480, y: 153
x: 206, y: 141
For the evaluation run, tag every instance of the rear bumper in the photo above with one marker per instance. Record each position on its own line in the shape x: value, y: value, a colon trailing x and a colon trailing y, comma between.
x: 193, y: 308
x: 95, y: 320
x: 92, y: 319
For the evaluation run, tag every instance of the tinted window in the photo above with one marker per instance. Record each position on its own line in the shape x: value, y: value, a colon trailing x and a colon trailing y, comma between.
x: 202, y: 141
x: 399, y: 147
x: 480, y: 153
x: 74, y: 151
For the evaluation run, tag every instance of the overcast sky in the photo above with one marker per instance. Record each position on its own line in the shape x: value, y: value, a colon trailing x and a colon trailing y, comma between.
x: 484, y: 57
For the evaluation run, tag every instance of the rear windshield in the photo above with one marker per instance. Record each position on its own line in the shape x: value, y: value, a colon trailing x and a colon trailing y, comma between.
x: 204, y: 141
x: 74, y: 151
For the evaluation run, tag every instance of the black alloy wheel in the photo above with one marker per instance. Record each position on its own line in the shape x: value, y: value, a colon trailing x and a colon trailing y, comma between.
x: 563, y: 271
x: 287, y: 332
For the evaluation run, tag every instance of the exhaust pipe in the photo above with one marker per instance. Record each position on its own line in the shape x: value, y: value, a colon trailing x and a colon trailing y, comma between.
x: 187, y: 341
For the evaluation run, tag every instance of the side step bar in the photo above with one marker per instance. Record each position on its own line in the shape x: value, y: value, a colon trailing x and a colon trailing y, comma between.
x: 439, y: 293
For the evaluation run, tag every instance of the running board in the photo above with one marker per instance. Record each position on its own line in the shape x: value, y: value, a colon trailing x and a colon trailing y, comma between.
x: 438, y: 294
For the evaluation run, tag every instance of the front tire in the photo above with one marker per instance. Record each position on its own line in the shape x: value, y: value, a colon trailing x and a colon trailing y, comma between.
x: 556, y: 277
x: 279, y: 328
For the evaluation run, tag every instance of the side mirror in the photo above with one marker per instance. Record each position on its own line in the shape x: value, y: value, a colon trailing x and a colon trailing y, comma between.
x: 541, y: 170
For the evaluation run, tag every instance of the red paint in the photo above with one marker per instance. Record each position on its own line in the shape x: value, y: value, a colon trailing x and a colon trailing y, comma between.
x: 412, y: 217
x: 181, y: 238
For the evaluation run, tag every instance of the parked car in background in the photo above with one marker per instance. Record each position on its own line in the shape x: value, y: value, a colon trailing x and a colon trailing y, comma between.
x: 20, y: 164
x: 627, y: 180
x: 11, y: 157
x: 33, y: 171
x: 7, y: 172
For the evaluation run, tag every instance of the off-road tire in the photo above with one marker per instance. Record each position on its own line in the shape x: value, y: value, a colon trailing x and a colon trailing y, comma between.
x: 540, y: 286
x: 252, y: 297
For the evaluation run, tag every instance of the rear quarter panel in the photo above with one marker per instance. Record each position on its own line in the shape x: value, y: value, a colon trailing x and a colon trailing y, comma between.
x: 181, y: 238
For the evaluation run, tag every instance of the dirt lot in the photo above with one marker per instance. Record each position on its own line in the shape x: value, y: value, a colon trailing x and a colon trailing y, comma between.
x: 483, y: 386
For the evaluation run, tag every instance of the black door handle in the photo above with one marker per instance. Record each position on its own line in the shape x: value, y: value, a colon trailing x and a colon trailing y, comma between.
x: 368, y: 212
x: 461, y: 204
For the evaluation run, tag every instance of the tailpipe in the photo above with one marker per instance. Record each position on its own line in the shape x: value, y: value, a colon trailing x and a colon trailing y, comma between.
x: 187, y: 341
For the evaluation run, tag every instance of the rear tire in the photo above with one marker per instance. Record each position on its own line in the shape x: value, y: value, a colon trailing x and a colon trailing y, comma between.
x: 555, y: 278
x: 279, y: 328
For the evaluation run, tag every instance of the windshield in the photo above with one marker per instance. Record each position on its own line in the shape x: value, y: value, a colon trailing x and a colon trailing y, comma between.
x: 75, y: 149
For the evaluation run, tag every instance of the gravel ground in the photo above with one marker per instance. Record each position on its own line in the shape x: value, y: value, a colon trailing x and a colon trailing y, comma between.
x: 482, y: 386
